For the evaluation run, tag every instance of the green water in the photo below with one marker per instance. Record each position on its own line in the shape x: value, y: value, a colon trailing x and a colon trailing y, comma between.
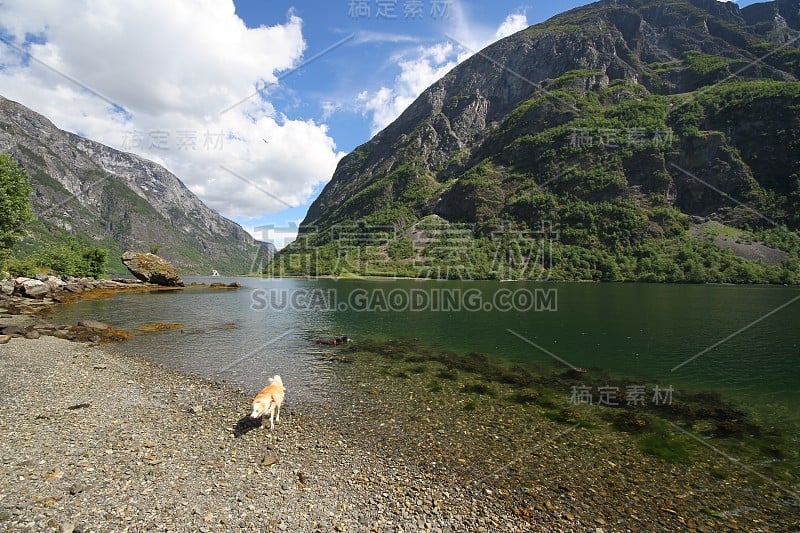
x: 632, y: 331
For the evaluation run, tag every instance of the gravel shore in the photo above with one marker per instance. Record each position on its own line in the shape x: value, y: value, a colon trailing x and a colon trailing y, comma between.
x: 92, y: 440
x: 95, y: 441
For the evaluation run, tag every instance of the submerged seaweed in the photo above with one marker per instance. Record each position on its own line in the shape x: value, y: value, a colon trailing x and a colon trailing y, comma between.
x: 660, y: 430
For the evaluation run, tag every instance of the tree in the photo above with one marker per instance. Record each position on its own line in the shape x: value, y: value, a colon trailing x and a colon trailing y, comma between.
x: 402, y: 248
x: 15, y: 203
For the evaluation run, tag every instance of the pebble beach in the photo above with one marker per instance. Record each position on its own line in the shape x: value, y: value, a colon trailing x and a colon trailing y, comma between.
x: 93, y: 439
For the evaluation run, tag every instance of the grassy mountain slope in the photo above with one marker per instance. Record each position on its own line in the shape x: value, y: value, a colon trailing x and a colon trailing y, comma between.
x: 611, y: 142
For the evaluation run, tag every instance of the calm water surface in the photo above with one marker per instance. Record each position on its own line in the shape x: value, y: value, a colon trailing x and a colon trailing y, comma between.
x: 640, y: 331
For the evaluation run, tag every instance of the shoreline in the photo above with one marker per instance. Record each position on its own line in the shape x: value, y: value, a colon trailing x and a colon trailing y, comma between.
x: 545, y: 281
x: 25, y: 304
x: 158, y: 448
x: 93, y: 439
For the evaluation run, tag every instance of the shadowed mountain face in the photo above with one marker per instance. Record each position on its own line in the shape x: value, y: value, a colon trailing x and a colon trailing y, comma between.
x: 117, y: 199
x: 621, y: 123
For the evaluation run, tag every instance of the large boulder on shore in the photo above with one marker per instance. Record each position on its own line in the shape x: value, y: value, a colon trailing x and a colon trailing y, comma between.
x: 33, y: 288
x: 152, y: 269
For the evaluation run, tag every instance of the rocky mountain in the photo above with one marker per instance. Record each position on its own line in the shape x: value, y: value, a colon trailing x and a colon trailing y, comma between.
x: 118, y: 200
x: 643, y: 131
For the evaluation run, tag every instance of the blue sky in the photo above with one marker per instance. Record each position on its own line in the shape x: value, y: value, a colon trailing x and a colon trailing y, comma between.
x: 269, y: 94
x: 358, y: 65
x: 379, y: 35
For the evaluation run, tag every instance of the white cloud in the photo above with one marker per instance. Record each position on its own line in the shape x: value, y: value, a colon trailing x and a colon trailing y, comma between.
x: 512, y: 24
x: 365, y: 36
x: 173, y: 66
x: 422, y: 66
x: 329, y: 107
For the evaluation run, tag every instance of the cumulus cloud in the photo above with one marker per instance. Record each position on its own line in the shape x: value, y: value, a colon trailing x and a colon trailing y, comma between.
x: 418, y: 69
x: 512, y: 24
x: 422, y: 66
x: 171, y: 68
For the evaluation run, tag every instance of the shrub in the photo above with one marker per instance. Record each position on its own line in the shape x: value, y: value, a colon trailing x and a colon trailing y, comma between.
x: 73, y: 259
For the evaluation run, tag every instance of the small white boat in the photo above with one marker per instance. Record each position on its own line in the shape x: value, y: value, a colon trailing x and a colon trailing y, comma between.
x: 214, y: 273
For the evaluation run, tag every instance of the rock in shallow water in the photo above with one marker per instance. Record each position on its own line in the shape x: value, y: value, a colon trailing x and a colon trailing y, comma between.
x: 94, y: 324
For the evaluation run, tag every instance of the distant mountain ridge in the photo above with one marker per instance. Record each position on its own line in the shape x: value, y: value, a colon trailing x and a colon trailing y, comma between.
x: 118, y: 199
x: 499, y: 141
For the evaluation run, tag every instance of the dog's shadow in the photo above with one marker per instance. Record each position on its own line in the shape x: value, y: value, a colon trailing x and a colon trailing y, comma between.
x: 246, y: 425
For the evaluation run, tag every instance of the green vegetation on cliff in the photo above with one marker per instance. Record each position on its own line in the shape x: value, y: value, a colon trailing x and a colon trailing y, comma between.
x: 590, y: 147
x: 603, y: 187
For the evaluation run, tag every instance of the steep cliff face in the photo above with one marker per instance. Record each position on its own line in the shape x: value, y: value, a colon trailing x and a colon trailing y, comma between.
x: 626, y: 124
x: 118, y: 199
x: 662, y: 46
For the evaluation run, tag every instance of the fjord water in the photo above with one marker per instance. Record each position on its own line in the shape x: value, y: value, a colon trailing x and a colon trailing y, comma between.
x: 684, y: 336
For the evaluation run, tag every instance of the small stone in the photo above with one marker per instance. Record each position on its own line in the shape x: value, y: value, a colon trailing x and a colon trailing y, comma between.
x: 268, y: 460
x: 94, y: 324
x: 75, y: 488
x: 7, y: 286
x: 196, y: 409
x: 4, y: 339
x: 32, y: 334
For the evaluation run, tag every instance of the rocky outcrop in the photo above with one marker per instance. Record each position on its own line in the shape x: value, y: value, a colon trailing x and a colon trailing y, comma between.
x: 27, y: 295
x: 23, y: 315
x: 151, y: 268
x: 23, y: 304
x: 85, y: 188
